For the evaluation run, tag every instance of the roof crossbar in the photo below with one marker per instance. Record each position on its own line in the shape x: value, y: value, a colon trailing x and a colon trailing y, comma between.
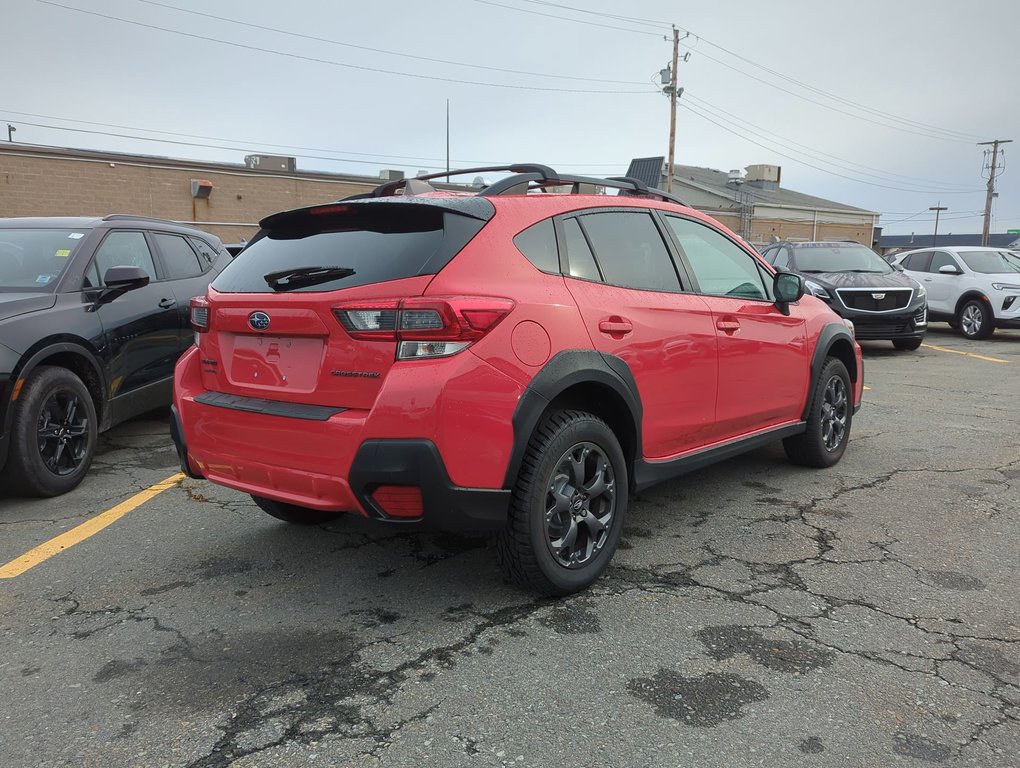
x: 527, y: 176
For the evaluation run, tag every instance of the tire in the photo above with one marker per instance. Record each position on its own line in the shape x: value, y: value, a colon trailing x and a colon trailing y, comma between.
x: 291, y: 513
x: 560, y: 536
x: 53, y: 434
x: 907, y: 345
x: 824, y: 441
x: 975, y: 320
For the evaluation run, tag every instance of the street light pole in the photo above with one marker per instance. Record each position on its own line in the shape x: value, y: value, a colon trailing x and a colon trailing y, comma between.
x: 938, y: 208
x: 10, y: 132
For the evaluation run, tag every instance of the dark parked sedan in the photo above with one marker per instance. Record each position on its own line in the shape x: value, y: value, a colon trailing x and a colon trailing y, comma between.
x: 93, y: 316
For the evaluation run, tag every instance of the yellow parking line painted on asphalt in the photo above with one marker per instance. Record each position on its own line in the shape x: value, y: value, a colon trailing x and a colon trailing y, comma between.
x: 68, y: 539
x: 867, y: 388
x: 968, y: 354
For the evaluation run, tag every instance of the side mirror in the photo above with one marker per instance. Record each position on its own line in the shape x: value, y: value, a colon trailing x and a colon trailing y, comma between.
x: 787, y: 288
x: 126, y: 277
x: 898, y: 267
x: 950, y: 269
x: 120, y: 280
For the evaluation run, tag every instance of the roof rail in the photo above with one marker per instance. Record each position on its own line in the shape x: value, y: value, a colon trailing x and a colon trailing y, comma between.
x: 528, y: 176
x: 133, y: 217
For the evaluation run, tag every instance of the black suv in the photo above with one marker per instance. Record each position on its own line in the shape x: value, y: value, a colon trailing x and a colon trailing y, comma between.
x: 93, y: 316
x: 877, y: 298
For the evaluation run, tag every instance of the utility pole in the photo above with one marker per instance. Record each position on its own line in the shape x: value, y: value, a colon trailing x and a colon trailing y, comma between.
x: 672, y: 108
x: 991, y: 185
x: 938, y: 208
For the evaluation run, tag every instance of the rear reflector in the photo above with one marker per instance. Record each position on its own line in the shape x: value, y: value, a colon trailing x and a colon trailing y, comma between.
x: 399, y: 500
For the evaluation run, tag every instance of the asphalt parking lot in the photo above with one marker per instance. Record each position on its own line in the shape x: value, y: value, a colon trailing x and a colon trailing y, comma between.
x: 757, y: 613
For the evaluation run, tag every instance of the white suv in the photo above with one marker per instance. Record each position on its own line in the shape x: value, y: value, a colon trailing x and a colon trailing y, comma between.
x: 974, y: 289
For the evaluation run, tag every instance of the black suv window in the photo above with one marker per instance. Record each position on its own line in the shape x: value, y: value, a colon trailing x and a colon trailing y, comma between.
x: 581, y: 262
x: 125, y: 249
x: 179, y: 259
x: 721, y: 267
x: 357, y: 244
x: 538, y: 244
x: 206, y: 251
x: 630, y: 251
x: 781, y: 258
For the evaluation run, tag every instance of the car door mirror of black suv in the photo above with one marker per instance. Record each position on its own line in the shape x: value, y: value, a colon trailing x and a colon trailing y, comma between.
x: 119, y: 280
x: 950, y: 269
x: 787, y: 288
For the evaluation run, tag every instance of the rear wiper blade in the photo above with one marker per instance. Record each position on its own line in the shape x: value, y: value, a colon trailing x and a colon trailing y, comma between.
x: 289, y: 279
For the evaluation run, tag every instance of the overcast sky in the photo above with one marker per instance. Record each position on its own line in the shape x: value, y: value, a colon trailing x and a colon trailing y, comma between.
x: 873, y: 104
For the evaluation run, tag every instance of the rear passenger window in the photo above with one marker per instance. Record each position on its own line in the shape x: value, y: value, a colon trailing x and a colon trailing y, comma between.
x: 205, y: 251
x: 630, y: 251
x: 917, y: 262
x: 178, y: 257
x: 538, y: 244
x: 581, y: 262
x: 781, y: 258
x: 720, y: 265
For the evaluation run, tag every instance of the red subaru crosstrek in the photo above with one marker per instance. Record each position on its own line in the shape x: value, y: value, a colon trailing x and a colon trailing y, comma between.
x: 510, y: 360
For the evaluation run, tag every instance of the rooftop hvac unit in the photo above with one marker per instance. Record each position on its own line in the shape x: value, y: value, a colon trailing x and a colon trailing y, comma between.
x: 271, y: 162
x: 389, y: 174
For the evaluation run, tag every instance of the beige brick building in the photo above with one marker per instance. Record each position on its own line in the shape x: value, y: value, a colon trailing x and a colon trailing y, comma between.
x: 46, y: 181
x: 755, y: 206
x: 50, y: 181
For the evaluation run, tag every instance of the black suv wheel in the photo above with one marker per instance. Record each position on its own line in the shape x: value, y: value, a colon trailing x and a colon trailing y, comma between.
x: 53, y: 437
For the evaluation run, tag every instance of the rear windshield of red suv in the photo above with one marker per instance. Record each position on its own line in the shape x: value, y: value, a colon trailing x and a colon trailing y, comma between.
x: 352, y: 245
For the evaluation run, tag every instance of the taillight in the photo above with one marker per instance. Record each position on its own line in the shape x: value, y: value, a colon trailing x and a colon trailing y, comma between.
x: 199, y: 314
x: 423, y: 327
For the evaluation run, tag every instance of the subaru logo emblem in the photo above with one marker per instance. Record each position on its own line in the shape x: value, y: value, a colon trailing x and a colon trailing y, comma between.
x: 258, y: 320
x: 875, y: 296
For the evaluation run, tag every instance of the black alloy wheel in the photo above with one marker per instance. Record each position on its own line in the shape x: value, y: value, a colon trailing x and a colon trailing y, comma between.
x: 63, y: 432
x: 54, y: 431
x: 580, y: 505
x: 568, y: 505
x: 829, y: 416
x: 835, y: 412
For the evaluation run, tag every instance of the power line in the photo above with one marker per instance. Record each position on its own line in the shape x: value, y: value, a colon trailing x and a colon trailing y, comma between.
x: 565, y: 18
x: 401, y: 54
x: 947, y: 134
x: 331, y: 62
x: 811, y: 152
x: 693, y: 110
x: 377, y: 158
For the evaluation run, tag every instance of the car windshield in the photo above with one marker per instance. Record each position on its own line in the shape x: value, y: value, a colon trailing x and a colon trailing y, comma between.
x: 838, y: 257
x: 991, y: 262
x: 33, y: 259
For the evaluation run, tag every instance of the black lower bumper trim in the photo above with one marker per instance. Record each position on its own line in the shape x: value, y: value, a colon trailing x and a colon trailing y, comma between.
x: 447, y: 507
x: 177, y: 435
x: 269, y: 407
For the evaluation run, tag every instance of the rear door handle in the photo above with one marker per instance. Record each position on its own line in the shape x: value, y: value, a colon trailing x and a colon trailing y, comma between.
x: 727, y: 326
x: 167, y: 303
x: 615, y: 325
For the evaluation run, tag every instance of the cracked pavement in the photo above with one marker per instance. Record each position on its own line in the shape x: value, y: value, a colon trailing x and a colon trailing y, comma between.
x: 756, y: 613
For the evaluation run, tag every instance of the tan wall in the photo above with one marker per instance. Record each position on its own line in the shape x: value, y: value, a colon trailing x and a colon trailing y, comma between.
x: 48, y: 186
x: 762, y: 231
